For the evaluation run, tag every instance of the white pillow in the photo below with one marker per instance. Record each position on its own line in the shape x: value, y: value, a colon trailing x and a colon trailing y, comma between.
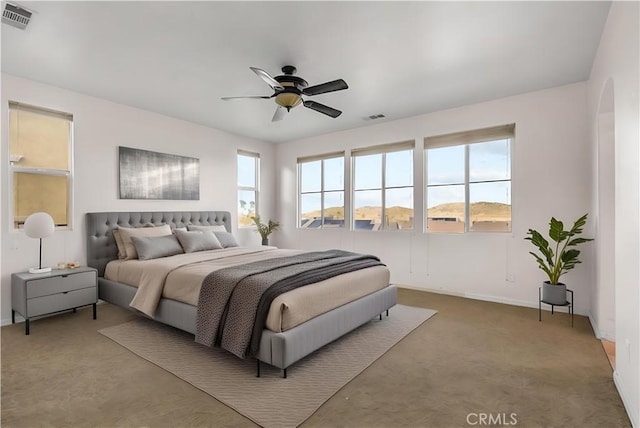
x: 126, y: 233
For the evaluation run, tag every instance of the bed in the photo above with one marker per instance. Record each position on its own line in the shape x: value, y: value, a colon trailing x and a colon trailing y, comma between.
x: 283, y: 340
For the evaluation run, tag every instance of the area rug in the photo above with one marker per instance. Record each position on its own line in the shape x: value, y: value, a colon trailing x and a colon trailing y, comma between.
x: 270, y: 401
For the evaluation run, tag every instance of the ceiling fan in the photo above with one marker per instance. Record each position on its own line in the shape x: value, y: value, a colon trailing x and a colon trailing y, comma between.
x: 288, y: 90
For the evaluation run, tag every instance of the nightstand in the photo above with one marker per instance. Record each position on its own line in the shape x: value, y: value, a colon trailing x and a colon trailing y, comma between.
x: 33, y: 295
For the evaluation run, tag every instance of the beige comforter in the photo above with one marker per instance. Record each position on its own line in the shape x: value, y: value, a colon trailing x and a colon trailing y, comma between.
x: 180, y: 277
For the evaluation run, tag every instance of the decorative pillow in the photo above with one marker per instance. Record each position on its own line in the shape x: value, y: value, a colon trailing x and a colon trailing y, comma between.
x: 122, y: 252
x: 127, y: 232
x: 198, y: 241
x: 153, y: 247
x: 226, y: 239
x: 213, y: 228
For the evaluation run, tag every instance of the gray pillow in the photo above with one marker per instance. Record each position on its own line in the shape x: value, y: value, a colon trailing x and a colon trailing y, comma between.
x: 226, y: 239
x: 210, y: 228
x: 153, y: 247
x: 197, y: 241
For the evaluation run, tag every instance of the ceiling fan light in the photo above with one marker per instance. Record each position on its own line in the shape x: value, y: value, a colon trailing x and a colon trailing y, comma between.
x: 288, y: 100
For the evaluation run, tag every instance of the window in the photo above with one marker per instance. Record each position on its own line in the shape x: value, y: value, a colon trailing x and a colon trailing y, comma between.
x: 383, y: 187
x: 248, y: 179
x: 40, y: 163
x: 321, y: 197
x: 469, y: 181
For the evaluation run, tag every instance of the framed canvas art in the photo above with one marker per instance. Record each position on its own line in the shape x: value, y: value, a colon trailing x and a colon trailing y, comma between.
x: 151, y: 175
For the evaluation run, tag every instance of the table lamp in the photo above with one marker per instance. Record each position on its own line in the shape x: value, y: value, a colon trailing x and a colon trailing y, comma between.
x: 39, y: 225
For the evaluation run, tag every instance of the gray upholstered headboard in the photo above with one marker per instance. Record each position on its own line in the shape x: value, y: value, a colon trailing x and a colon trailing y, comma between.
x: 102, y: 248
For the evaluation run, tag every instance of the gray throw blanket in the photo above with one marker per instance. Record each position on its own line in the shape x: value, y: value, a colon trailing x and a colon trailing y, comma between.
x: 234, y: 302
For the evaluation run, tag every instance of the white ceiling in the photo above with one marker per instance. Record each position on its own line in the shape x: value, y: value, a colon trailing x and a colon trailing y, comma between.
x: 399, y: 58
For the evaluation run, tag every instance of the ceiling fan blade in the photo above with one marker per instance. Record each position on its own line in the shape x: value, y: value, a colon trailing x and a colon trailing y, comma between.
x: 322, y: 108
x: 275, y: 85
x: 336, y: 85
x: 280, y: 113
x: 256, y: 97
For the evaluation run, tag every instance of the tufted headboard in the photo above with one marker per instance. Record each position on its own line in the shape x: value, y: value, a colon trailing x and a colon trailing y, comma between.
x: 102, y: 248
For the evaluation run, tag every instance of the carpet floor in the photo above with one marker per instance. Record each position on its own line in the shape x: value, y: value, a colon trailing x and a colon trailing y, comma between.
x: 270, y: 400
x: 473, y: 357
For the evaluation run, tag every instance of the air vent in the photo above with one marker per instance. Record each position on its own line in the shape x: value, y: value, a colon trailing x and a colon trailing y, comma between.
x: 16, y: 16
x: 375, y: 116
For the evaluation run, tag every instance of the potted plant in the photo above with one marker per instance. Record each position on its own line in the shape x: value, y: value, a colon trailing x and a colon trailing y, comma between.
x: 265, y: 229
x: 559, y: 260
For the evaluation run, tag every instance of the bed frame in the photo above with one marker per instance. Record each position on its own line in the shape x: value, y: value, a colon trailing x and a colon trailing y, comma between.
x: 280, y: 349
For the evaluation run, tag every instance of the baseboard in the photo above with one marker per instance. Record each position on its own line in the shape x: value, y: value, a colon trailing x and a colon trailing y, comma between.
x: 7, y: 321
x: 617, y: 380
x: 596, y: 331
x: 594, y: 327
x: 487, y: 298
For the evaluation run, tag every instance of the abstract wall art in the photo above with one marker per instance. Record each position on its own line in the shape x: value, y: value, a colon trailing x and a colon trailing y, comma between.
x: 152, y: 175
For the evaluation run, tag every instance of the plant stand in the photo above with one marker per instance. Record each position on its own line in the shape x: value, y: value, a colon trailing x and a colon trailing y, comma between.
x: 569, y: 304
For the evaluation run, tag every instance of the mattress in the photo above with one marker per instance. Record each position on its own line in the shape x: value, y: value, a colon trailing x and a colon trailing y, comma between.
x: 180, y: 277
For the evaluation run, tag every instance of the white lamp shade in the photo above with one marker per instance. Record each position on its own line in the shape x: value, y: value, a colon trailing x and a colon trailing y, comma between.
x: 39, y: 225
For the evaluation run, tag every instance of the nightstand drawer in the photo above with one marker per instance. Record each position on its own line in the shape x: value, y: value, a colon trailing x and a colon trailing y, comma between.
x: 60, y: 284
x: 59, y: 302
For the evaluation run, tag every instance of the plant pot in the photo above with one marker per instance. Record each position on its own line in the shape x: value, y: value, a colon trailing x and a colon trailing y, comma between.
x: 554, y: 294
x: 265, y: 241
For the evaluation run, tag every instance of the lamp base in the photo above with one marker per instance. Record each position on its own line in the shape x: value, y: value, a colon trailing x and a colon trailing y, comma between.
x: 40, y: 270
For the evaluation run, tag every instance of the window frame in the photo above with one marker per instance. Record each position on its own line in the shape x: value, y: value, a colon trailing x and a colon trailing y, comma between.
x: 50, y: 172
x: 467, y: 139
x: 322, y: 158
x: 383, y: 150
x: 255, y: 188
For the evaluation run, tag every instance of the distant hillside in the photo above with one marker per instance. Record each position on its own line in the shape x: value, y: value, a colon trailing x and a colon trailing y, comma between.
x: 400, y: 213
x: 336, y: 212
x: 479, y: 211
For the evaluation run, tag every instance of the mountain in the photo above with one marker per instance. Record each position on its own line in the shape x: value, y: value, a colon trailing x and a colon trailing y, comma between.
x: 479, y: 211
x: 335, y: 212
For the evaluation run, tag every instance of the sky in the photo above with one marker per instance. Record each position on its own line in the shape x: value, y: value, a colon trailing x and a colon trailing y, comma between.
x: 246, y: 171
x: 487, y: 161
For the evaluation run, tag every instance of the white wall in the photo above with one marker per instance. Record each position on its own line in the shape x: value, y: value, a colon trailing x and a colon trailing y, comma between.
x: 603, y: 293
x: 618, y: 59
x: 100, y: 127
x: 551, y: 177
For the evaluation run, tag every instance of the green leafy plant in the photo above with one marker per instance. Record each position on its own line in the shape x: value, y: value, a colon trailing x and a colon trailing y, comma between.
x: 265, y: 229
x: 556, y: 262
